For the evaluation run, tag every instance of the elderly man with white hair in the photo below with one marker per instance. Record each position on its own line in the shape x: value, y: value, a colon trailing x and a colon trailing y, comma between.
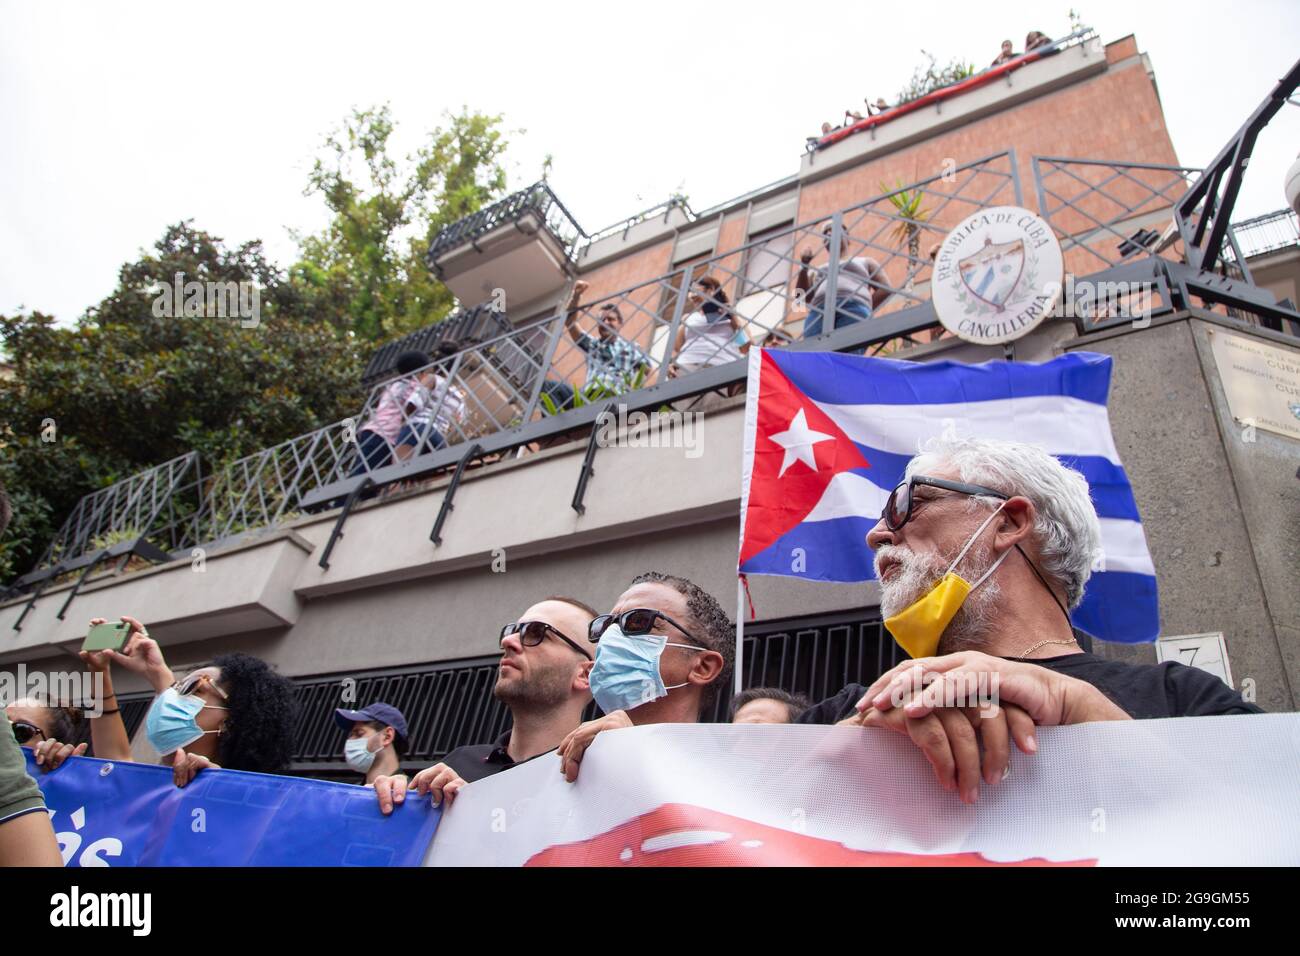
x: 981, y: 551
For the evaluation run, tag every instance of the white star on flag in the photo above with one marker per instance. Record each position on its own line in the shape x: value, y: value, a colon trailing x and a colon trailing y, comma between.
x: 798, y: 441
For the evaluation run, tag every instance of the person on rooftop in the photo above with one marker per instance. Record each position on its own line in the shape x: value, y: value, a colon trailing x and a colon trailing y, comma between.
x: 1007, y: 54
x: 1035, y: 40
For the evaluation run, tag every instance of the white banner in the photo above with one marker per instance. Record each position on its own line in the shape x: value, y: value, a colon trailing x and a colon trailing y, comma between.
x: 1189, y: 791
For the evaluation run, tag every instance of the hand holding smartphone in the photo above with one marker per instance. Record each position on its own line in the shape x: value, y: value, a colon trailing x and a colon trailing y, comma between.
x: 107, y: 636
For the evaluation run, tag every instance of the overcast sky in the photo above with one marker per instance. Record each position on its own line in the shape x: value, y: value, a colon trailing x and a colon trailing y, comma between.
x: 117, y: 119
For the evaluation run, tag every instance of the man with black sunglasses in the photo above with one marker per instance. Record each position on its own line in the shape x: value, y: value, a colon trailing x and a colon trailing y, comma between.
x: 980, y: 554
x: 661, y: 655
x: 543, y: 678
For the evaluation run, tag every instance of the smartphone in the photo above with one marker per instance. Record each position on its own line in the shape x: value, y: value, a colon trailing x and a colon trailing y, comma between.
x: 107, y: 637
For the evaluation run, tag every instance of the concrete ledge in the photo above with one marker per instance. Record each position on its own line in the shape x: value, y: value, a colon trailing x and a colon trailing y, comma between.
x: 244, y: 588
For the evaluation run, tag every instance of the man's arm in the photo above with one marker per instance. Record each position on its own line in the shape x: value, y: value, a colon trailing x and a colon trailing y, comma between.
x: 26, y: 837
x: 571, y: 316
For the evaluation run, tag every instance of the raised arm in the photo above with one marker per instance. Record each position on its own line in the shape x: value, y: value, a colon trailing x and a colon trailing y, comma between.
x: 107, y: 732
x: 571, y: 316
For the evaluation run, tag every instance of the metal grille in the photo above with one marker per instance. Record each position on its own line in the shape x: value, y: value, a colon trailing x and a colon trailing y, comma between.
x: 451, y: 705
x: 1268, y: 233
x: 1106, y: 212
x: 465, y: 327
x: 156, y: 506
x: 446, y: 706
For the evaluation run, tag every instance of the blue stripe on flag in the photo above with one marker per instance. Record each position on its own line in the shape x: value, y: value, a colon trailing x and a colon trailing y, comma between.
x: 1120, y: 606
x: 1108, y: 483
x: 829, y: 377
x: 834, y: 550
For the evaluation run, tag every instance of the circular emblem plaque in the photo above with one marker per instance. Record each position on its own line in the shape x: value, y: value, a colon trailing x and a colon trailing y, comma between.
x: 997, y: 275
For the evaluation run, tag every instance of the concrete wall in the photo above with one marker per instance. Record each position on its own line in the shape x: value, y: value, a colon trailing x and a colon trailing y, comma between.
x: 1222, y: 516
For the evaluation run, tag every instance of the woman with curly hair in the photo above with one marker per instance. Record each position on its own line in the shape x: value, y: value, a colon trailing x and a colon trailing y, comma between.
x: 235, y: 713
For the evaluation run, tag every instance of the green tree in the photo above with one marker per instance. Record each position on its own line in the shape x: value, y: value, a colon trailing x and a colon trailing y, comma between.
x: 132, y: 385
x: 365, y: 272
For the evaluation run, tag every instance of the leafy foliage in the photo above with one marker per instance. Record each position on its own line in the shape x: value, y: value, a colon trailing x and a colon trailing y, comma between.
x: 366, y: 271
x: 930, y: 77
x: 125, y: 389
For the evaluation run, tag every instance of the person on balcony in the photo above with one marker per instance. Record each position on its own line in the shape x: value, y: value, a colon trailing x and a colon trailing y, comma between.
x: 1006, y: 55
x: 614, y: 364
x: 400, y: 399
x: 442, y: 414
x: 1035, y: 40
x: 859, y: 289
x: 708, y: 335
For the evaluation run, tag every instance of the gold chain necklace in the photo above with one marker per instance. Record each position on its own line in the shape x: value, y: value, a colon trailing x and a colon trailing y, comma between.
x: 1035, y: 647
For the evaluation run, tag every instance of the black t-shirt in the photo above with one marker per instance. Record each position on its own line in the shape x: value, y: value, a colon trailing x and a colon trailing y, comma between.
x: 483, y: 760
x: 1141, y: 690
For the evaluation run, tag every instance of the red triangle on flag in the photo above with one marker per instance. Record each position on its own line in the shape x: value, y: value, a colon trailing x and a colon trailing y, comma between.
x: 783, y: 488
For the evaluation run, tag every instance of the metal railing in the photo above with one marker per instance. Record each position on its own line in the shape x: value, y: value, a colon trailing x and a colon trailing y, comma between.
x: 1105, y: 213
x: 1267, y: 233
x: 664, y: 209
x: 464, y: 327
x: 537, y: 199
x: 150, y: 507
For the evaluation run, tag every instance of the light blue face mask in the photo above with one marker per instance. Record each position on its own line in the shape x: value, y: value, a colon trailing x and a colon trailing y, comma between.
x: 626, y: 674
x: 172, y: 722
x: 357, y: 752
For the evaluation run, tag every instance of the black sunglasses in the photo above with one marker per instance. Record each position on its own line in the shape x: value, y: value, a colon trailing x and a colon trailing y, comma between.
x: 898, y: 509
x: 24, y: 732
x: 532, y: 633
x: 634, y: 623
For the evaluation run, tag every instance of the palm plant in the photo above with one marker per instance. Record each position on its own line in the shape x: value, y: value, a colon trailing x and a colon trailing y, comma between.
x: 912, y: 213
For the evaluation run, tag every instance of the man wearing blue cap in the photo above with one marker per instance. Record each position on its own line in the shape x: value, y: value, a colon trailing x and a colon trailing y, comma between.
x: 376, y: 741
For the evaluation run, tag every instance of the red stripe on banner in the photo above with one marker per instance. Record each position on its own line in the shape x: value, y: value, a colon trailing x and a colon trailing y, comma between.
x: 679, y: 834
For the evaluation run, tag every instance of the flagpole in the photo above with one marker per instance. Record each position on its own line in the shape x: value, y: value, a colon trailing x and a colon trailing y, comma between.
x: 740, y: 634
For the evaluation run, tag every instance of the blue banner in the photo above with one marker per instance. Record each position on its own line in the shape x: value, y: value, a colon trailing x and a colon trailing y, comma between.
x: 128, y: 814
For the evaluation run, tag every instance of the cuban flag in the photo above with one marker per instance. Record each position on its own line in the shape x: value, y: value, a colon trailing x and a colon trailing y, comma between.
x: 827, y: 437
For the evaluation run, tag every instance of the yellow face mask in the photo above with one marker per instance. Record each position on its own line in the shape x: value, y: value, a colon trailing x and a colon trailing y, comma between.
x: 918, y: 627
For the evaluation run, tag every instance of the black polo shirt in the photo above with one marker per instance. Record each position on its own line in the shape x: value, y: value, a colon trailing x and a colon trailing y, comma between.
x: 483, y: 760
x: 1142, y: 691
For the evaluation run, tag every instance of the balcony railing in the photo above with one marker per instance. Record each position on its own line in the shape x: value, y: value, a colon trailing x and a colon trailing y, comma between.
x: 1267, y: 233
x: 537, y: 199
x: 509, y: 388
x: 464, y: 328
x: 1109, y: 212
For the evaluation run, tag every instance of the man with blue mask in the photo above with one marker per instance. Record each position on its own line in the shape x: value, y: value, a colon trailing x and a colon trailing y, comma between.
x: 980, y: 552
x: 661, y: 655
x: 377, y: 739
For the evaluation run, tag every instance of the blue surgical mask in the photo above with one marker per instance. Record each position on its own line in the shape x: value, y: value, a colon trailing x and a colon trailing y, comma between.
x: 173, y: 721
x: 626, y: 674
x: 357, y: 752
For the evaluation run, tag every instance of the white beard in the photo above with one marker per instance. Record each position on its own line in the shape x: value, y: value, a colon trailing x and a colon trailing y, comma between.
x: 971, y: 626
